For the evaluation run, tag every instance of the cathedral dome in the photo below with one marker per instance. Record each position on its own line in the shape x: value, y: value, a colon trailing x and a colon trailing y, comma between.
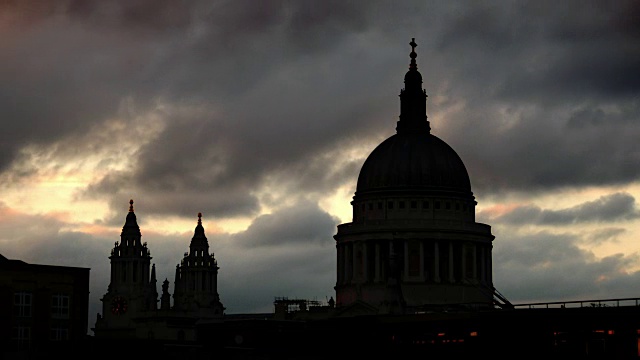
x: 413, y: 161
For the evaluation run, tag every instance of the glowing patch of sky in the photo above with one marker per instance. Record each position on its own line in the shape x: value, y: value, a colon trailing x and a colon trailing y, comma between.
x: 54, y: 175
x: 623, y: 243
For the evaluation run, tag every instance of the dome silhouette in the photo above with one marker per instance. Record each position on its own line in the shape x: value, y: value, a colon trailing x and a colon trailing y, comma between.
x: 413, y: 161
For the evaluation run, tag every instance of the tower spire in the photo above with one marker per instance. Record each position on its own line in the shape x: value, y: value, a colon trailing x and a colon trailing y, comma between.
x: 413, y: 100
x: 131, y: 227
x: 413, y: 55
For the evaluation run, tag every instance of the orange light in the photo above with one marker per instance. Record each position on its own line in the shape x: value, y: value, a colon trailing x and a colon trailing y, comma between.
x: 473, y: 333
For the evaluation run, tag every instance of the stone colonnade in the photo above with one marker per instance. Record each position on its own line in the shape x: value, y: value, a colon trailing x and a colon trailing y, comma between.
x: 418, y: 260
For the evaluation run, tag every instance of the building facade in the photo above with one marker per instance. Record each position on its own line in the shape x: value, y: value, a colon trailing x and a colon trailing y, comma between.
x: 42, y: 306
x: 413, y: 242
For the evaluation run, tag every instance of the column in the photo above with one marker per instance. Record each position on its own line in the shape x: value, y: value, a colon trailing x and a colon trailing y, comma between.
x: 377, y: 264
x: 354, y: 262
x: 436, y: 262
x: 483, y: 264
x: 451, y: 262
x: 365, y: 261
x: 475, y: 263
x: 464, y: 248
x: 422, y: 265
x: 489, y: 266
x: 406, y: 260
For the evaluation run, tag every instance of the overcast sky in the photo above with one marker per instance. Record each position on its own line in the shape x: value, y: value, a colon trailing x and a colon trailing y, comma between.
x: 259, y: 114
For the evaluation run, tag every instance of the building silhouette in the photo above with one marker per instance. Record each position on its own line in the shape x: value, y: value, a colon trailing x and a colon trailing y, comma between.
x: 413, y: 280
x: 413, y: 242
x: 42, y: 307
x: 131, y: 308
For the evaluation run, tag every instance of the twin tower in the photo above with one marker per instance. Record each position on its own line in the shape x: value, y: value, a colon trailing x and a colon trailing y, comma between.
x: 413, y: 244
x: 130, y: 307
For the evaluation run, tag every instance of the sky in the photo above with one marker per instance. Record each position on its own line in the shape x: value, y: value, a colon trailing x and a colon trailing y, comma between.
x: 260, y: 114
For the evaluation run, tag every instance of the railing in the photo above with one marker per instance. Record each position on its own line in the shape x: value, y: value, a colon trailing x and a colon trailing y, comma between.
x: 581, y: 303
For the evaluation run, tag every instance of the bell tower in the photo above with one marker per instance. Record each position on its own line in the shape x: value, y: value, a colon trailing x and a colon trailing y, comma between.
x: 132, y: 288
x: 196, y: 280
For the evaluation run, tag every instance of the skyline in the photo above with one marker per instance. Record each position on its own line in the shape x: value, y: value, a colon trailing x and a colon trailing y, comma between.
x: 260, y: 117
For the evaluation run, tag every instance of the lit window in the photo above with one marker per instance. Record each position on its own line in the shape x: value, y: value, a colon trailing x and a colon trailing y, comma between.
x: 22, y: 304
x: 60, y: 306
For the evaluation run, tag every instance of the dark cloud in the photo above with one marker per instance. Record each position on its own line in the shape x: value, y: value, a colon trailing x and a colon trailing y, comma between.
x: 280, y: 82
x: 543, y: 267
x: 225, y: 107
x: 302, y: 224
x: 269, y: 86
x: 531, y: 71
x: 607, y: 208
x: 605, y: 235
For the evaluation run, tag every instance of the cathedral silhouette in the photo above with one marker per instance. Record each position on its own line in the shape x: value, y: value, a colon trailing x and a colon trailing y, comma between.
x: 130, y: 306
x: 413, y: 244
x: 413, y: 279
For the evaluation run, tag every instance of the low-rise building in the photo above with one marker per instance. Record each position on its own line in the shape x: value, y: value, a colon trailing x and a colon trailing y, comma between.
x: 42, y: 306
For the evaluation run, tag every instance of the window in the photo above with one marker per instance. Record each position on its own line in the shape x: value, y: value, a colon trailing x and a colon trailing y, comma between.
x: 59, y: 334
x: 21, y: 335
x: 60, y: 306
x: 22, y: 304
